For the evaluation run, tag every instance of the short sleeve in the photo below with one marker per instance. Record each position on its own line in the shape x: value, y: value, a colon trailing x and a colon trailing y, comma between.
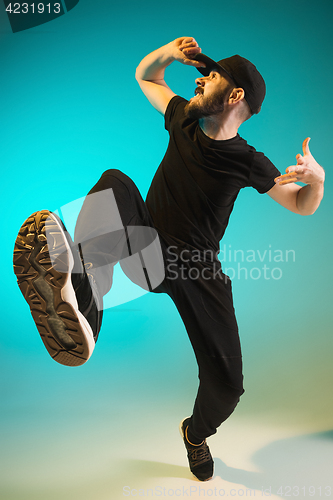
x: 174, y: 111
x: 263, y: 173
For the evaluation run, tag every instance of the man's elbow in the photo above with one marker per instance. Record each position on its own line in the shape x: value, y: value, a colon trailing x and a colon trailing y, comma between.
x: 308, y: 210
x: 309, y: 199
x: 137, y: 74
x: 140, y: 73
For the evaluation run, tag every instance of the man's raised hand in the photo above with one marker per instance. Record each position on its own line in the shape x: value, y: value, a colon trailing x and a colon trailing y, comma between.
x: 150, y: 72
x: 184, y: 49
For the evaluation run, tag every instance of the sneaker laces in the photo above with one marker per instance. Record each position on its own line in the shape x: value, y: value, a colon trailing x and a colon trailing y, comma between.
x: 199, y: 455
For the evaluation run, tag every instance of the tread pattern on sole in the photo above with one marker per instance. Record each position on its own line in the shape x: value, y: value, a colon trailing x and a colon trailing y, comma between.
x: 41, y: 282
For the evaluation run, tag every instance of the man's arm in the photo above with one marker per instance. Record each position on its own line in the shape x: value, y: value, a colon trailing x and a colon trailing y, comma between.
x: 303, y: 200
x: 150, y: 72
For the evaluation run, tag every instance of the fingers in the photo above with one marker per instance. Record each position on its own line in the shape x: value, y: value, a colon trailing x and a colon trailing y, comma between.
x: 188, y: 42
x: 298, y: 169
x: 191, y: 51
x: 307, y: 170
x: 305, y: 146
x: 193, y: 62
x: 189, y: 47
x: 288, y: 181
x: 185, y: 39
x: 292, y: 175
x: 306, y: 151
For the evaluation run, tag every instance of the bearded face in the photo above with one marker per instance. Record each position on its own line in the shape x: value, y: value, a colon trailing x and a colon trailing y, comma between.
x: 206, y: 105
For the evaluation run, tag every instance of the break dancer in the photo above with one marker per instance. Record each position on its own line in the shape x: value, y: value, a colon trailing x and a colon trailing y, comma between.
x: 178, y: 228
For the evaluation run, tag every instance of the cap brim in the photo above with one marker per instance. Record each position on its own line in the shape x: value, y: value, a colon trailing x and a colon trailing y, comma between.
x: 210, y: 65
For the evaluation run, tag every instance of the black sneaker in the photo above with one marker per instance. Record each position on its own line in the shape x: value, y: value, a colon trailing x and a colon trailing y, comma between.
x: 199, y: 457
x: 64, y: 302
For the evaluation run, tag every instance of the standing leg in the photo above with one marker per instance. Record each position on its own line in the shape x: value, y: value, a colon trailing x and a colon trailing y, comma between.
x: 206, y: 307
x: 204, y: 300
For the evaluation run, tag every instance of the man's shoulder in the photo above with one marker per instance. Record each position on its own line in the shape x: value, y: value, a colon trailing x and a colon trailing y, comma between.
x: 257, y: 155
x: 175, y: 110
x: 177, y: 103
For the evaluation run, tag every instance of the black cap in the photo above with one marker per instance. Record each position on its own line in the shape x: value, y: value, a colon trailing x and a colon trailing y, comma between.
x: 243, y: 73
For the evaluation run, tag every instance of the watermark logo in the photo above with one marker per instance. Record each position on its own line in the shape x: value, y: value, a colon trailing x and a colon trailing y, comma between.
x: 195, y: 492
x: 26, y: 15
x: 237, y: 264
x: 255, y: 264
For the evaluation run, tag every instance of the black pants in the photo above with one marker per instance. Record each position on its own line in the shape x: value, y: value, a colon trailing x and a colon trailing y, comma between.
x: 114, y: 224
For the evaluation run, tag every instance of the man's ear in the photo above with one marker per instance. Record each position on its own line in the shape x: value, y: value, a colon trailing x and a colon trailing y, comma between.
x: 236, y: 95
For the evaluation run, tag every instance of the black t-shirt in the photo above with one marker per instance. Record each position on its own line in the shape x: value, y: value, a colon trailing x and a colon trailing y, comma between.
x: 194, y: 189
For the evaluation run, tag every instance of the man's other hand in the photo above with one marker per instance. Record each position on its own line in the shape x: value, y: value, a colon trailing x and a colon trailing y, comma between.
x: 306, y: 170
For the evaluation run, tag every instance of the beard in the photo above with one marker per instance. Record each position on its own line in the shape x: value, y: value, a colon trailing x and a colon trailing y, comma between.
x: 203, y: 106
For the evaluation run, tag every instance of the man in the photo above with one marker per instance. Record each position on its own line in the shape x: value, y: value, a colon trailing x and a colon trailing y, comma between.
x: 188, y: 204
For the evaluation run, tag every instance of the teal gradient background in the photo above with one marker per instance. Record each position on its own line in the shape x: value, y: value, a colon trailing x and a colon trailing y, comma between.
x: 70, y: 109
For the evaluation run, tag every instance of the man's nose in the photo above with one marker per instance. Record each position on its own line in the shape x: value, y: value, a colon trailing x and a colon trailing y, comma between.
x: 200, y: 82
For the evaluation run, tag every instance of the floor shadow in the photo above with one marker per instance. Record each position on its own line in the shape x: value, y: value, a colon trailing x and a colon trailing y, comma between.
x: 149, y: 469
x: 303, y: 463
x: 299, y: 462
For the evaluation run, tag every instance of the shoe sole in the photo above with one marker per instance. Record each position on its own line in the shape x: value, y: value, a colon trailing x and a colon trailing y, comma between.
x: 48, y: 289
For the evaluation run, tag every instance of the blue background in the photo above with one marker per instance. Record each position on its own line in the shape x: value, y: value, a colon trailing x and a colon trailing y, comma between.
x: 70, y: 109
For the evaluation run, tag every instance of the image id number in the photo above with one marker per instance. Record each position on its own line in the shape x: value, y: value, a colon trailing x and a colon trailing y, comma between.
x: 32, y: 8
x: 302, y: 491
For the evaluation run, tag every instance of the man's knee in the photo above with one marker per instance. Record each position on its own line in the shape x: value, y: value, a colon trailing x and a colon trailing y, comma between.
x: 226, y: 400
x: 116, y: 180
x: 230, y: 395
x: 117, y: 174
x: 114, y: 172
